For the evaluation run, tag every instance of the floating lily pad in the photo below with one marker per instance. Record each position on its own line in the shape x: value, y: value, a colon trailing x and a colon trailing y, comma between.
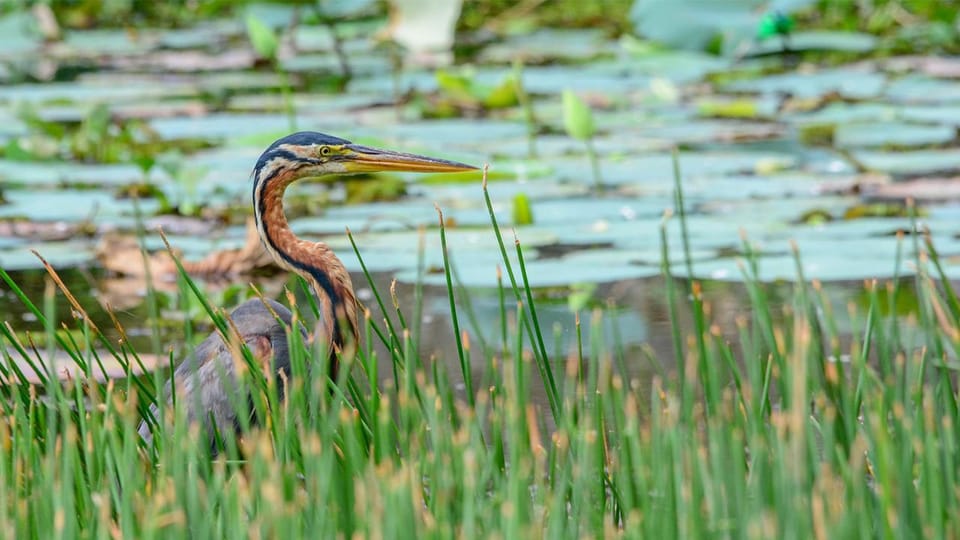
x: 202, y: 35
x: 707, y: 131
x: 463, y: 239
x: 677, y: 66
x: 737, y: 108
x: 404, y: 263
x: 419, y: 80
x: 59, y: 173
x: 463, y: 132
x: 536, y: 189
x: 347, y: 9
x: 313, y: 39
x: 7, y: 242
x: 932, y: 114
x: 556, y: 145
x: 113, y: 42
x: 827, y: 267
x: 541, y: 273
x: 922, y: 190
x: 405, y: 215
x: 820, y: 40
x: 841, y: 113
x: 785, y: 185
x: 313, y: 64
x: 583, y: 210
x: 89, y: 93
x: 305, y: 104
x: 922, y: 89
x: 855, y: 230
x: 891, y: 134
x: 655, y: 172
x: 271, y: 14
x: 219, y: 125
x: 69, y: 205
x: 548, y: 44
x: 196, y: 247
x: 846, y: 82
x: 645, y: 257
x: 691, y: 24
x: 910, y: 163
x: 59, y: 254
x: 602, y: 77
x: 20, y: 34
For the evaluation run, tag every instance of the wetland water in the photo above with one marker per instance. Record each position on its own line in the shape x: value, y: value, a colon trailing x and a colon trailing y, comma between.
x: 635, y: 318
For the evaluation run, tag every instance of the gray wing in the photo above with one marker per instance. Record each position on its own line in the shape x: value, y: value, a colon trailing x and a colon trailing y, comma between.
x: 208, y: 388
x: 206, y: 382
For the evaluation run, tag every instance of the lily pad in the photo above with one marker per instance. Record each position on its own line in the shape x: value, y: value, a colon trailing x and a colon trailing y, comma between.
x: 541, y: 273
x: 404, y: 263
x: 89, y: 93
x: 500, y: 192
x: 915, y: 162
x: 406, y: 215
x: 841, y: 113
x: 220, y: 125
x: 59, y: 254
x: 922, y: 190
x: 707, y: 131
x: 557, y: 145
x: 655, y: 172
x: 848, y: 83
x: 271, y: 14
x: 819, y: 40
x: 932, y: 114
x: 826, y: 267
x: 203, y: 35
x: 549, y: 44
x: 465, y: 133
x: 69, y: 205
x: 196, y: 247
x: 646, y: 257
x: 691, y: 24
x: 347, y: 9
x: 922, y: 89
x: 787, y: 185
x: 58, y: 173
x: 465, y: 240
x: 313, y: 64
x: 853, y: 229
x: 112, y: 42
x: 680, y: 67
x: 891, y: 134
x: 20, y: 35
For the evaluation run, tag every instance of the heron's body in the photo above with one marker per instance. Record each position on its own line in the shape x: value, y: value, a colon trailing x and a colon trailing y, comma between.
x: 205, y: 380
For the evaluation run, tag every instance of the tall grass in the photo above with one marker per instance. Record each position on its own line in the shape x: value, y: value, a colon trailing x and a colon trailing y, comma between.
x: 790, y: 432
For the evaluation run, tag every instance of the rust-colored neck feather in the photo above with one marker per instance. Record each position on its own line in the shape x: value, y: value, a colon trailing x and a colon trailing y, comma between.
x: 314, y: 261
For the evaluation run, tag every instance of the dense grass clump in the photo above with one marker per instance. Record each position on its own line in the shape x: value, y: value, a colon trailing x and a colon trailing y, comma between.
x: 790, y: 432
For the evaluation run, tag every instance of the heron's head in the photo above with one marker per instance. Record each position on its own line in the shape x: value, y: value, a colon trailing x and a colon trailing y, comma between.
x: 316, y: 154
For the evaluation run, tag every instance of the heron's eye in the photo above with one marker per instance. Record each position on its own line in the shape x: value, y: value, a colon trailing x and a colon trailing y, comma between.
x: 325, y: 151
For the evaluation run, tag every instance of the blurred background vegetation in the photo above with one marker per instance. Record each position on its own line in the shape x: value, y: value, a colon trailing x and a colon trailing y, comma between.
x: 918, y: 24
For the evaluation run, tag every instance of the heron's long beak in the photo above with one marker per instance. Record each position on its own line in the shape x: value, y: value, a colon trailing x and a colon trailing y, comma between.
x: 365, y: 159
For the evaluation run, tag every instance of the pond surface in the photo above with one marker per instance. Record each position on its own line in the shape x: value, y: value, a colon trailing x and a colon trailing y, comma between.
x: 770, y: 149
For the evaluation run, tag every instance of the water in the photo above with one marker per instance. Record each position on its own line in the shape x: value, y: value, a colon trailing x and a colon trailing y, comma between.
x: 634, y: 318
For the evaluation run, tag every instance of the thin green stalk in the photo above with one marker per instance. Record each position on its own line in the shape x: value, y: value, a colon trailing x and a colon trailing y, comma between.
x: 454, y: 320
x: 540, y: 352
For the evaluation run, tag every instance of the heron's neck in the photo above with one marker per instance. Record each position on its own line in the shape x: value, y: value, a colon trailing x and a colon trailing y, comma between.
x: 314, y: 261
